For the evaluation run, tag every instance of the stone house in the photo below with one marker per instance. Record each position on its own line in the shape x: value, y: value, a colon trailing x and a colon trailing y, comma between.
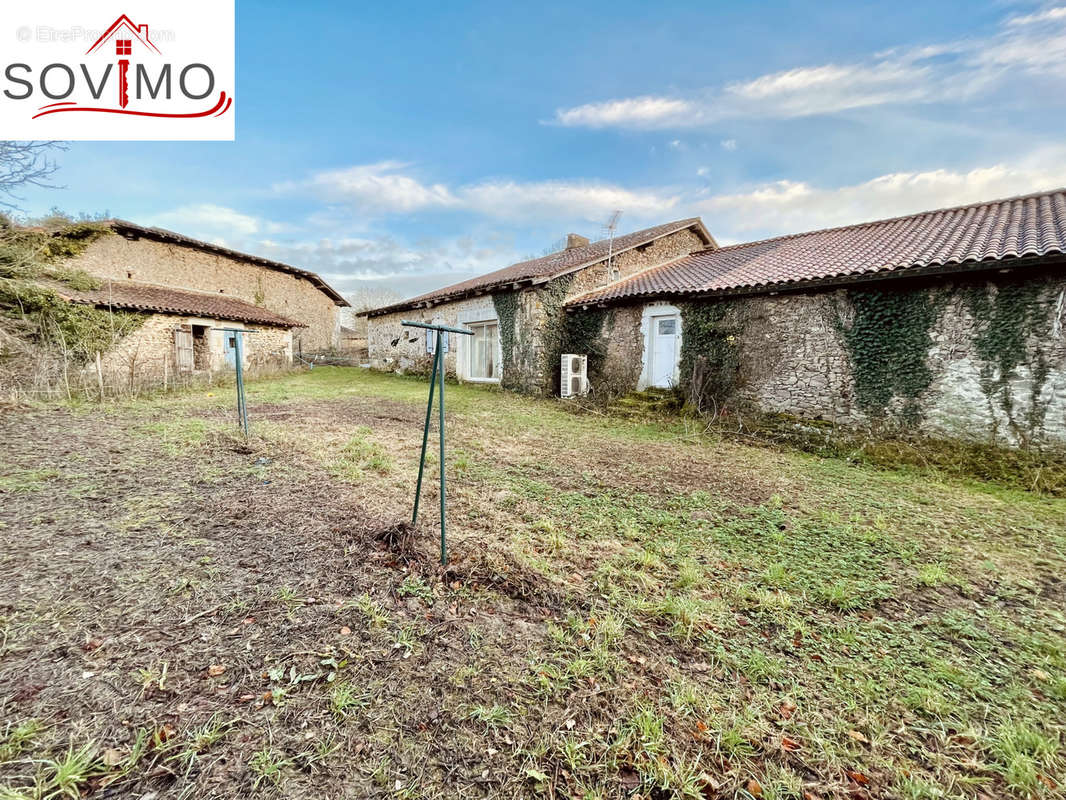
x: 947, y: 322
x: 516, y: 312
x: 137, y: 255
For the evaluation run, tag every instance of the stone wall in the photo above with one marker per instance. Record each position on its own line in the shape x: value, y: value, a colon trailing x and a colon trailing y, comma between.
x: 986, y: 359
x: 185, y: 267
x: 630, y: 262
x: 624, y: 351
x: 792, y: 358
x: 144, y: 352
x: 409, y: 353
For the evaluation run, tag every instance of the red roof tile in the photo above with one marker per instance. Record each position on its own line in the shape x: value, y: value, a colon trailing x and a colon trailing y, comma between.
x: 548, y: 266
x: 164, y: 300
x: 1033, y: 225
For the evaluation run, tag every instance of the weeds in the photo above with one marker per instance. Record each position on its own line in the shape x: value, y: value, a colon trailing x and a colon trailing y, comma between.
x: 344, y: 699
x: 69, y: 774
x: 492, y: 716
x: 268, y: 766
x: 17, y: 738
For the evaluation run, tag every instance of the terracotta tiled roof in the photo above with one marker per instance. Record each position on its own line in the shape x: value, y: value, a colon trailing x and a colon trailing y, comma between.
x: 132, y: 229
x: 164, y: 300
x: 1033, y: 225
x: 548, y: 266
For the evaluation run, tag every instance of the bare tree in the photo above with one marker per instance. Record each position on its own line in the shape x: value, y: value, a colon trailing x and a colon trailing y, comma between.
x: 25, y: 164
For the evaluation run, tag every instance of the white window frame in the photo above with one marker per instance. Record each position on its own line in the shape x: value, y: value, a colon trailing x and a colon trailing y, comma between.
x: 651, y: 311
x: 464, y: 343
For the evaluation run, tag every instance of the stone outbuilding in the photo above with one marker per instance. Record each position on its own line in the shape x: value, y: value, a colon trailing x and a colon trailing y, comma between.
x: 185, y: 333
x: 948, y: 322
x: 139, y: 255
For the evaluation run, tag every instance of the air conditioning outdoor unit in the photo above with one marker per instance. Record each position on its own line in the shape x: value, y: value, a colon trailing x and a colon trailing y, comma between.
x: 573, y: 375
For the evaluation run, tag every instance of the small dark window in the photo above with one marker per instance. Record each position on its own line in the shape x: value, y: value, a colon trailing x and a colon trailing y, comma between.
x: 129, y: 275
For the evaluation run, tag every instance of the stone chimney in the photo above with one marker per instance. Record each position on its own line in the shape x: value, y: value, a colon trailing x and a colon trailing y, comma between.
x: 574, y: 240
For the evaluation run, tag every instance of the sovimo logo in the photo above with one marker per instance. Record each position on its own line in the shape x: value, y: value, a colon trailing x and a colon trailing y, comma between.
x: 128, y: 80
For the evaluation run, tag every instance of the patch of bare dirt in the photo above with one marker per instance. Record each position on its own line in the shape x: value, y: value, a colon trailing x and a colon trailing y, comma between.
x: 152, y: 594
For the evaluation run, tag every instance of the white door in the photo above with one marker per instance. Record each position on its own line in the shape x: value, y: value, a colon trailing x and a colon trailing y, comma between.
x: 665, y: 333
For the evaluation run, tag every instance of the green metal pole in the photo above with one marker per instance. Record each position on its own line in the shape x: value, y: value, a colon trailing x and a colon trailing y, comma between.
x: 425, y: 435
x: 440, y: 377
x: 242, y: 408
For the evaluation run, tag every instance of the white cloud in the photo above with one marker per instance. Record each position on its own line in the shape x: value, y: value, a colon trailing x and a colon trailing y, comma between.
x: 350, y: 262
x: 214, y: 223
x: 829, y: 88
x: 647, y: 111
x: 791, y: 207
x: 569, y: 200
x: 1047, y: 15
x: 729, y: 144
x: 379, y: 189
x: 947, y: 72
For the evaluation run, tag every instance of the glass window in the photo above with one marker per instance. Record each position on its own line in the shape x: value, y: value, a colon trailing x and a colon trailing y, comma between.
x: 482, y: 363
x: 667, y: 327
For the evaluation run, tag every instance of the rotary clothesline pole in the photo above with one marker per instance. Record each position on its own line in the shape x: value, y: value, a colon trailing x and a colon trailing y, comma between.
x: 436, y: 376
x: 425, y: 429
x: 238, y: 355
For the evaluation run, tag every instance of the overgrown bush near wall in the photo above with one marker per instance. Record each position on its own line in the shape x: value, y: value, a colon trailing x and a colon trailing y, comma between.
x: 77, y: 330
x: 43, y: 335
x: 710, y: 352
x: 33, y: 253
x: 887, y: 336
x: 1044, y: 473
x: 28, y: 264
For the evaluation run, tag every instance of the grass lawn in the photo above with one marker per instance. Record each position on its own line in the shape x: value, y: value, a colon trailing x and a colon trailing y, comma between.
x: 631, y: 610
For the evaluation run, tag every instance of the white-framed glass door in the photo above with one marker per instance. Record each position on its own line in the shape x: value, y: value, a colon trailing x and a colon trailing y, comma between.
x: 665, y: 335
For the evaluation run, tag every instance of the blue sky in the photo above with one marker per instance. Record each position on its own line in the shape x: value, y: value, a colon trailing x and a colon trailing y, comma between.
x: 412, y: 145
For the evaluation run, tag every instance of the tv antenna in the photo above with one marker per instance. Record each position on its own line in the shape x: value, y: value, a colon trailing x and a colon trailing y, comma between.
x: 609, y: 228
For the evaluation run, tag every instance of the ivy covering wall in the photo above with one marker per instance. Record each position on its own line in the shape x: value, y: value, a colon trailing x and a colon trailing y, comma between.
x: 710, y: 364
x: 552, y: 297
x: 887, y: 335
x: 1012, y: 319
x: 506, y: 305
x: 531, y: 334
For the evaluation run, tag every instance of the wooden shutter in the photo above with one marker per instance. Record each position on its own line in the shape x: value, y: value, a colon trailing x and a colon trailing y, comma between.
x: 183, y: 350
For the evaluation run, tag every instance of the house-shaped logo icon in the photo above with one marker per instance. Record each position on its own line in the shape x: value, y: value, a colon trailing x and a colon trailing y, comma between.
x: 123, y: 27
x: 125, y: 33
